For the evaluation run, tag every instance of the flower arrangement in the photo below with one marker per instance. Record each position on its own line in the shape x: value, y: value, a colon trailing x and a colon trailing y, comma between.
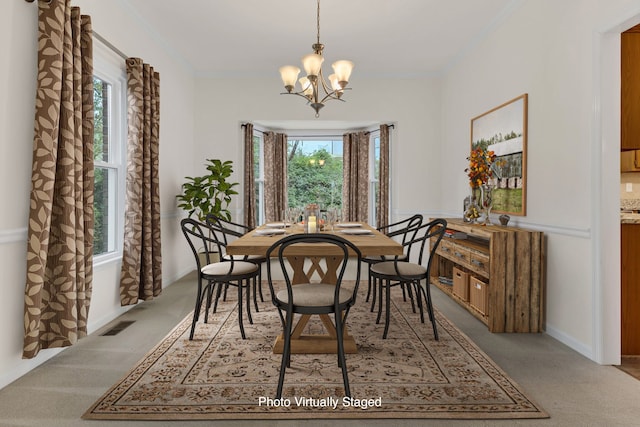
x: 479, y: 170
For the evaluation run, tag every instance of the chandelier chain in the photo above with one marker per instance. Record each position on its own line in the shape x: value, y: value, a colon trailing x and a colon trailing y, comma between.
x: 318, y: 21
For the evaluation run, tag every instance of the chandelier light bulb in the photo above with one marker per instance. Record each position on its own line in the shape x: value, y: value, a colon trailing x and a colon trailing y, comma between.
x: 343, y: 71
x: 289, y: 75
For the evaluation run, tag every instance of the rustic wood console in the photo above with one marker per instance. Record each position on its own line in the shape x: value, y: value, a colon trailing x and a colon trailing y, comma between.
x: 496, y: 272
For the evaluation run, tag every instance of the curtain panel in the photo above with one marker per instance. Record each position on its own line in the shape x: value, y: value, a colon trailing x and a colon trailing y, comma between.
x: 275, y: 175
x: 249, y: 178
x: 60, y: 229
x: 382, y: 207
x: 141, y: 274
x: 355, y: 178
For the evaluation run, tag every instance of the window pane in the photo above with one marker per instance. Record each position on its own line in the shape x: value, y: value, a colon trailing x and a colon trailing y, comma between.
x: 314, y: 173
x: 101, y: 97
x: 104, y: 210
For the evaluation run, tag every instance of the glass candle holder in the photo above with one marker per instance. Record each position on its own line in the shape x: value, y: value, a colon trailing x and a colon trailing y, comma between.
x: 312, y: 218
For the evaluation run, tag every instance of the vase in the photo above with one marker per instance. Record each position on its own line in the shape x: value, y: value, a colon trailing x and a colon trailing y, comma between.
x: 473, y: 210
x: 486, y: 202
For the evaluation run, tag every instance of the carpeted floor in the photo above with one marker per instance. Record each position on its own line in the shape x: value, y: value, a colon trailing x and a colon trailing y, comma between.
x: 409, y: 375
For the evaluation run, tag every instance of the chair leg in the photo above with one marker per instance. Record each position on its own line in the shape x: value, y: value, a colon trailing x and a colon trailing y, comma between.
x: 388, y: 307
x: 416, y: 284
x: 342, y: 362
x: 380, y: 284
x: 256, y: 284
x: 430, y: 309
x: 207, y: 305
x: 260, y: 282
x: 218, y: 293
x: 248, y: 289
x: 410, y: 293
x: 244, y: 337
x: 286, y: 353
x: 369, y: 285
x: 196, y: 310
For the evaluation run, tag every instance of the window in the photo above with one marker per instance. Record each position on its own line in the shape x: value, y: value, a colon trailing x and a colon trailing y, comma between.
x: 258, y: 174
x: 314, y: 173
x: 374, y: 177
x: 109, y: 150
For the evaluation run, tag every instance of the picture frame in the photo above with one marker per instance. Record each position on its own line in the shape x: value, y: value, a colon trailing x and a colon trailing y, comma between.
x: 503, y: 130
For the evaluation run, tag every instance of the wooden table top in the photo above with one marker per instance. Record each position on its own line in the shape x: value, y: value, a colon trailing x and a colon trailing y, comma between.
x: 372, y: 244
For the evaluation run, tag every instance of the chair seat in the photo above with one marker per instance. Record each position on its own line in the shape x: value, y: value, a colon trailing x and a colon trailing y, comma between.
x: 253, y: 258
x: 404, y: 269
x: 314, y: 295
x: 375, y: 259
x: 225, y: 268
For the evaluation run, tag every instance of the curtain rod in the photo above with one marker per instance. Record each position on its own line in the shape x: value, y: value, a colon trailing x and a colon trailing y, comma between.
x: 319, y: 135
x: 109, y: 45
x: 100, y: 38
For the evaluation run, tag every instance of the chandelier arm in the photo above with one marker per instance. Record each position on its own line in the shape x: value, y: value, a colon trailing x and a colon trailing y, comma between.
x: 333, y: 96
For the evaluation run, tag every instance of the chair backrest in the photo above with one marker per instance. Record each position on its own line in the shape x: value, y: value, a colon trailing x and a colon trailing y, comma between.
x: 200, y: 239
x: 346, y: 249
x: 404, y: 229
x: 230, y: 228
x: 421, y: 235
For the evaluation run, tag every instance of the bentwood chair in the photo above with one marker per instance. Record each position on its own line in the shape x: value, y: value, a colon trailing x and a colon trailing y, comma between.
x: 204, y: 241
x: 229, y: 231
x: 388, y: 274
x: 313, y: 298
x: 400, y: 230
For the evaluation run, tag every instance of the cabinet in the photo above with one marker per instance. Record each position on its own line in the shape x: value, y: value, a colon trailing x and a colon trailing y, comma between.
x: 630, y: 161
x: 506, y: 268
x: 630, y: 288
x: 630, y: 89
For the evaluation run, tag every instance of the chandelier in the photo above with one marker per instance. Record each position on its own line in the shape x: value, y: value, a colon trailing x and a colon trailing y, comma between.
x: 313, y: 86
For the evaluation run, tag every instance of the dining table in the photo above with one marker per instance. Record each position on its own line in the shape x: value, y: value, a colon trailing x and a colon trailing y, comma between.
x: 306, y: 261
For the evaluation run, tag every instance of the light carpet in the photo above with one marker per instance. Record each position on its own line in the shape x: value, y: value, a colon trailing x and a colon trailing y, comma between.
x: 218, y: 375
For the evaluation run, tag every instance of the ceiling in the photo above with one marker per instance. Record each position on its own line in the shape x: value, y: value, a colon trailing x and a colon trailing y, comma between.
x: 384, y: 38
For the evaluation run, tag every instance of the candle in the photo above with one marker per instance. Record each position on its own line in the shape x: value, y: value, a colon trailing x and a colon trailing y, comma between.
x: 312, y: 224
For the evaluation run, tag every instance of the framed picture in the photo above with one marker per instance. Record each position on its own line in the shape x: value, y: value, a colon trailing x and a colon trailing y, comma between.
x: 503, y: 130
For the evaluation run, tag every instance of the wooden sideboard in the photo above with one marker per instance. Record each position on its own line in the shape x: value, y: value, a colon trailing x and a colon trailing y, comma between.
x: 504, y: 270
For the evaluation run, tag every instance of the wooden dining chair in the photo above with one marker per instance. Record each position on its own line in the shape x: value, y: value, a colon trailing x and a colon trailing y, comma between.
x: 313, y: 298
x: 204, y: 241
x: 402, y: 271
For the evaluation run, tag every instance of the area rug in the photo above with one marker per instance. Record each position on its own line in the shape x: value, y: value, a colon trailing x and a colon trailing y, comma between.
x: 218, y: 375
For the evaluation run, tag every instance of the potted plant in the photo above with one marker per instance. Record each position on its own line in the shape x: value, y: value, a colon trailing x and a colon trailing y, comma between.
x: 210, y: 193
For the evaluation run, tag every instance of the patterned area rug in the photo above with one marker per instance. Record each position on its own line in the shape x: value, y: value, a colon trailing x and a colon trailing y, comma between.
x: 408, y: 375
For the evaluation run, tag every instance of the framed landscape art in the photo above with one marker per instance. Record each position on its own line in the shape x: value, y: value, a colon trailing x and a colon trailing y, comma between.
x: 503, y: 130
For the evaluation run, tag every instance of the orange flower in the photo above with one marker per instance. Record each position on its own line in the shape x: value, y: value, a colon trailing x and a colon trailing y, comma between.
x: 479, y: 170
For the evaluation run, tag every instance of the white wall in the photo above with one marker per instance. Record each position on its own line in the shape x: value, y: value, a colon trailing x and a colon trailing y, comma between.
x: 222, y: 105
x: 550, y: 50
x: 18, y: 40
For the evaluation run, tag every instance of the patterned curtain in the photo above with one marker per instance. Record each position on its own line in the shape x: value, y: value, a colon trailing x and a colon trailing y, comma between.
x: 382, y: 208
x: 141, y: 275
x: 275, y: 175
x: 249, y: 178
x: 60, y: 232
x: 355, y: 181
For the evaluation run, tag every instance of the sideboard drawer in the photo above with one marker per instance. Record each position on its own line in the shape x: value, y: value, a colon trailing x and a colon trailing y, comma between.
x: 479, y: 262
x: 461, y: 254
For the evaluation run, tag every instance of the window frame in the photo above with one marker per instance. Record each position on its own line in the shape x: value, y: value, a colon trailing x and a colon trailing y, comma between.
x: 310, y: 136
x: 259, y: 179
x: 109, y: 67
